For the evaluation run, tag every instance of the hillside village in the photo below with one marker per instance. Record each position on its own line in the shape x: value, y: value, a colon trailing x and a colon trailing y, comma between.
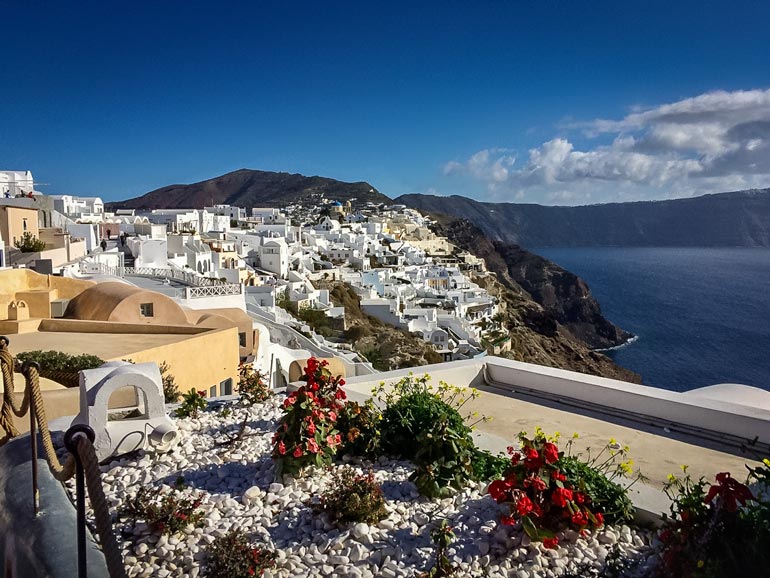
x: 277, y: 264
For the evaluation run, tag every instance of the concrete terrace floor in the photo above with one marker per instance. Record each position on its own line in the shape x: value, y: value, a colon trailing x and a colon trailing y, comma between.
x: 655, y: 453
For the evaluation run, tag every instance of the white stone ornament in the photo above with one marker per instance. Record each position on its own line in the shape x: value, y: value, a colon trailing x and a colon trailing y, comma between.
x: 152, y: 429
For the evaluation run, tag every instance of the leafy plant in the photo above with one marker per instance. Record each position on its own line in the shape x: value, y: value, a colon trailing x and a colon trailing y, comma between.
x: 193, y: 401
x: 252, y: 385
x: 539, y: 495
x: 166, y: 512
x: 59, y: 361
x: 487, y: 466
x: 598, y: 475
x: 28, y: 243
x: 413, y: 406
x: 307, y: 434
x: 719, y: 529
x: 233, y: 556
x: 353, y: 497
x: 442, y: 537
x: 443, y: 459
x: 359, y: 427
x: 425, y: 425
x: 171, y: 393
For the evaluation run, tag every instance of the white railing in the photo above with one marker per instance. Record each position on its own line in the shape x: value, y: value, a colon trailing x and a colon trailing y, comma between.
x: 213, y: 291
x: 182, y: 276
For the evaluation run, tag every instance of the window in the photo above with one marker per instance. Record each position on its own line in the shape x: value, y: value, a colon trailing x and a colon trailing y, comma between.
x: 226, y: 387
x: 242, y: 339
x: 213, y: 391
x: 146, y: 310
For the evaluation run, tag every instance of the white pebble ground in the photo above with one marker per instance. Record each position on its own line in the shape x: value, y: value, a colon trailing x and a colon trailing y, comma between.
x: 238, y: 489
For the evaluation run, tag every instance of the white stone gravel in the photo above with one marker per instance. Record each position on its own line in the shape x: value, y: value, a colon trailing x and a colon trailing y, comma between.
x: 239, y: 491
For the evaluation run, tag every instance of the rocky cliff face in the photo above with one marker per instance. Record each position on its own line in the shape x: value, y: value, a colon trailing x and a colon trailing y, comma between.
x: 739, y: 219
x: 551, y: 317
x: 250, y: 188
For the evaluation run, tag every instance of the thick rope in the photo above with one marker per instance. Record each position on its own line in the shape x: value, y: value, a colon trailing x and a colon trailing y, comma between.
x: 101, y: 509
x: 60, y: 471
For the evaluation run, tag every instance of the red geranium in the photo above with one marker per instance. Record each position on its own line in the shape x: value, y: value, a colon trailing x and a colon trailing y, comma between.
x: 550, y: 452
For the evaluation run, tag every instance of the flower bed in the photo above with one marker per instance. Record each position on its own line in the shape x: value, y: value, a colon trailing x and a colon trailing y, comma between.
x: 235, y: 483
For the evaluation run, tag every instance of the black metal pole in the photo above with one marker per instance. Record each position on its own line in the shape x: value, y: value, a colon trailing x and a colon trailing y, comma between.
x: 25, y: 368
x: 33, y: 443
x: 80, y: 491
x: 70, y: 442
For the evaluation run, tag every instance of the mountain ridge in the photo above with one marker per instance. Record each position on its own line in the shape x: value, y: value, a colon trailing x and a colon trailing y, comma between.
x: 251, y: 188
x: 732, y: 219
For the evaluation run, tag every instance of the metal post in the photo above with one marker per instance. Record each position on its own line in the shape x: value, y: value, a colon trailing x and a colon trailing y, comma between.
x: 70, y: 442
x: 33, y: 441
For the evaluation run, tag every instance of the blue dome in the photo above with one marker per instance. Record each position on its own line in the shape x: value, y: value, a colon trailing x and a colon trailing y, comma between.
x: 337, y: 204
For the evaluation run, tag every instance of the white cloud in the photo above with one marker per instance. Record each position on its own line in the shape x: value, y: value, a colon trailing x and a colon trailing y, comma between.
x: 712, y: 142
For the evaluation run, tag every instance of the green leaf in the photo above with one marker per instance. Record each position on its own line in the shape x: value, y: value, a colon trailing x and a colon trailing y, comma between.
x: 530, y: 528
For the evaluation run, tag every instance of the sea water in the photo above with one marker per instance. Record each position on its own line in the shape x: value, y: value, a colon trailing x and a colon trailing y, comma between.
x: 702, y: 315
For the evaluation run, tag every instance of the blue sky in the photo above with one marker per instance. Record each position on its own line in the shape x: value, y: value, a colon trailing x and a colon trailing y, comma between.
x: 550, y: 102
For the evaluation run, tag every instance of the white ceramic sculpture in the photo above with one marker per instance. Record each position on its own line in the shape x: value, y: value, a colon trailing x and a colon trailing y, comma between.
x: 151, y: 430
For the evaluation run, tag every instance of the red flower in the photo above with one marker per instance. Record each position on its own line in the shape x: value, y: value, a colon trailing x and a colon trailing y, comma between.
x: 498, y: 490
x: 311, y: 428
x: 580, y: 498
x: 201, y: 393
x: 281, y: 448
x: 339, y: 394
x: 515, y: 458
x: 297, y: 452
x: 535, y: 482
x: 313, y: 446
x: 341, y: 382
x: 531, y: 453
x: 550, y: 543
x: 332, y: 416
x: 332, y: 440
x: 524, y: 506
x: 559, y: 476
x: 579, y: 519
x: 599, y: 519
x: 730, y: 490
x: 507, y: 521
x: 550, y: 452
x: 561, y: 496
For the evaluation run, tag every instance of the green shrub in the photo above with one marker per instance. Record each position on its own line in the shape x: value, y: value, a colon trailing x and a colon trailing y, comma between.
x: 443, y: 459
x: 424, y: 424
x: 609, y: 497
x: 165, y: 512
x: 487, y: 466
x: 353, y: 497
x: 252, y: 385
x: 28, y: 243
x: 411, y: 408
x: 192, y: 402
x: 171, y: 393
x: 58, y: 361
x: 233, y: 556
x: 359, y: 427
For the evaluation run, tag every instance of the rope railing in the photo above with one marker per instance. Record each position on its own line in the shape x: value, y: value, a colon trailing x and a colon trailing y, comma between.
x: 81, y: 462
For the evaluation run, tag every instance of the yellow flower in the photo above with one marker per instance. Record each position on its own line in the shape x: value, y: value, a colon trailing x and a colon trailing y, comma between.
x: 684, y: 468
x: 766, y: 462
x: 613, y: 441
x: 671, y: 477
x: 575, y: 435
x: 701, y: 563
